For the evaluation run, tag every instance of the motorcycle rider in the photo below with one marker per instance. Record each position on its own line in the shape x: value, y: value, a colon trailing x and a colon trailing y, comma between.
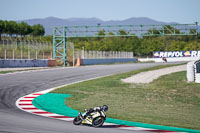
x: 95, y: 109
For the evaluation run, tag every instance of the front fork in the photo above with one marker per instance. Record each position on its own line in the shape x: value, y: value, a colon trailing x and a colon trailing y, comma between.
x: 80, y: 116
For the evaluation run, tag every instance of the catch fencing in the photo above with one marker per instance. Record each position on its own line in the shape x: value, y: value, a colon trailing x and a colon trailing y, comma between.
x: 27, y: 49
x: 31, y: 49
x: 74, y: 54
x: 84, y: 54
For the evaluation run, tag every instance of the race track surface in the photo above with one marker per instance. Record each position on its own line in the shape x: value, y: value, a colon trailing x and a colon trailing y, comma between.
x: 14, y: 86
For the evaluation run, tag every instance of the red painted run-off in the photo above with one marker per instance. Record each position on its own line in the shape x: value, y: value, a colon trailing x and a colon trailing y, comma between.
x: 38, y: 94
x: 26, y: 100
x: 26, y: 104
x: 42, y: 113
x: 29, y: 97
x: 30, y: 108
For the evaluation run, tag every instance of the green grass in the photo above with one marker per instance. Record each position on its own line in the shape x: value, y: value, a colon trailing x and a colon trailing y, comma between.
x: 169, y: 100
x: 4, y: 72
x: 12, y: 71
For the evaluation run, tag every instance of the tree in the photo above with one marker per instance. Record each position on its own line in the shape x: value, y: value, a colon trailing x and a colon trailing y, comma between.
x: 153, y: 31
x: 24, y: 29
x: 192, y: 45
x: 193, y: 31
x: 101, y: 33
x: 122, y: 32
x: 2, y: 28
x: 171, y: 30
x: 111, y: 34
x: 11, y: 28
x: 37, y: 30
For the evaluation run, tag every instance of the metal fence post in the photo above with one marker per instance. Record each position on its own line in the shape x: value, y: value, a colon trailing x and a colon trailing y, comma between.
x: 82, y: 53
x: 93, y: 54
x: 77, y: 52
x: 5, y: 54
x: 21, y: 54
x: 51, y: 55
x: 13, y: 54
x: 28, y: 54
x: 43, y: 54
x: 36, y: 55
x: 6, y: 43
x: 86, y: 54
x: 73, y: 55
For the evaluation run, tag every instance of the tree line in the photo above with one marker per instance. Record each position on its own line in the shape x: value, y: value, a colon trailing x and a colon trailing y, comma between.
x: 139, y: 46
x: 22, y: 29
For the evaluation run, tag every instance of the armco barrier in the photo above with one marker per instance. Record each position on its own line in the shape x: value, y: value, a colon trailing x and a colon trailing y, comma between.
x: 106, y: 61
x: 26, y: 63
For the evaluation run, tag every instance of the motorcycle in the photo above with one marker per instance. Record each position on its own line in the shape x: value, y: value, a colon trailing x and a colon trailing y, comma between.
x: 164, y: 59
x: 96, y: 119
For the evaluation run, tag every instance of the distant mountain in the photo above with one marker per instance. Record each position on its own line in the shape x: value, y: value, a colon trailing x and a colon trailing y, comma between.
x: 51, y: 22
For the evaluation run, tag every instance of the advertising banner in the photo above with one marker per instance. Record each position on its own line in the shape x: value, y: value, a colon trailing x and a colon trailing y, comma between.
x: 172, y: 54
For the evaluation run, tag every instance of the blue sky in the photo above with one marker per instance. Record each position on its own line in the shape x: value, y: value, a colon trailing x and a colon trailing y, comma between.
x: 181, y: 11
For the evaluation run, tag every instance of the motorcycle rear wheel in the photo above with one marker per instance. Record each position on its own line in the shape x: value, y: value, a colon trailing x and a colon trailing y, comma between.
x: 77, y: 120
x: 98, y: 122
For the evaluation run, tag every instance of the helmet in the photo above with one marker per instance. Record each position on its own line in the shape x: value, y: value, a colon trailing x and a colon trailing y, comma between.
x: 105, y: 108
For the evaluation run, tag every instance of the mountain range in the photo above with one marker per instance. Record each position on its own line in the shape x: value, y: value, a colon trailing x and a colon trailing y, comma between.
x: 51, y: 22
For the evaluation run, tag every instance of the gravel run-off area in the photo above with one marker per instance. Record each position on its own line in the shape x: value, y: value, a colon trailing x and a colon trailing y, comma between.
x: 149, y: 76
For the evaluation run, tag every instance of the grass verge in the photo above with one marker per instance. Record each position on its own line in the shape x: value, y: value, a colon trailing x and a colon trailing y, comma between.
x: 5, y: 72
x: 12, y: 71
x: 169, y: 100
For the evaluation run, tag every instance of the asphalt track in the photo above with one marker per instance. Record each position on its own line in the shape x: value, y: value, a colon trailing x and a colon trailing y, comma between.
x: 14, y: 86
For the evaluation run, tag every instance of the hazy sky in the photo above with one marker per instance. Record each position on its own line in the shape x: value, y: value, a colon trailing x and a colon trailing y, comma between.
x: 181, y: 11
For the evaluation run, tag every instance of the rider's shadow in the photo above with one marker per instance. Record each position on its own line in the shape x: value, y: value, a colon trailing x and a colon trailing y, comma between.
x: 105, y: 126
x: 111, y: 126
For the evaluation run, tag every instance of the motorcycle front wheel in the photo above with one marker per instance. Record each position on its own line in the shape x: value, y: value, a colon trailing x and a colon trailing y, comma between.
x: 98, y: 122
x: 77, y: 120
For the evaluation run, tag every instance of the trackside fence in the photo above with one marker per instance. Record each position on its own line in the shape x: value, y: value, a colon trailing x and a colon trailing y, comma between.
x: 27, y: 49
x: 102, y: 54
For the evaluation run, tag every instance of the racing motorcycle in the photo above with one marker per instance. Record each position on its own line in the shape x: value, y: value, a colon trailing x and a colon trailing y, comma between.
x: 96, y: 119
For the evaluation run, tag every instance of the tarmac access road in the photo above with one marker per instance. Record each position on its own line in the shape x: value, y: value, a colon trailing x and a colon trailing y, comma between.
x: 14, y: 86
